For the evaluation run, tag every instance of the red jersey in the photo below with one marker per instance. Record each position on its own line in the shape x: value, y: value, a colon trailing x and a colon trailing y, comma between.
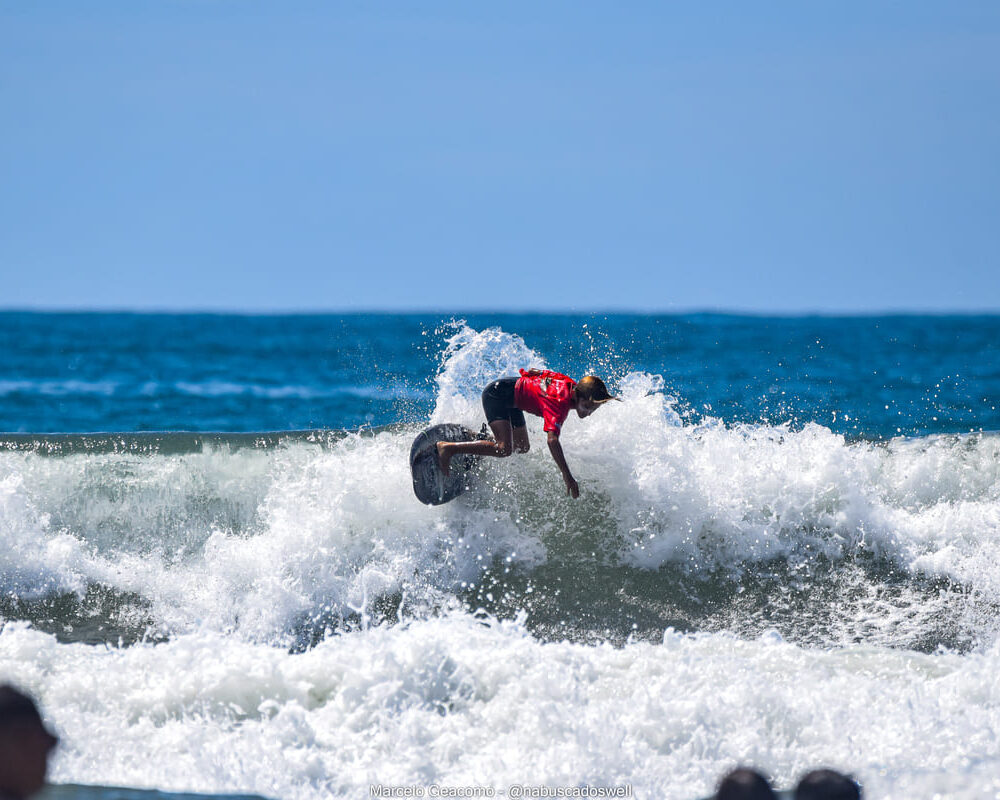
x: 548, y: 395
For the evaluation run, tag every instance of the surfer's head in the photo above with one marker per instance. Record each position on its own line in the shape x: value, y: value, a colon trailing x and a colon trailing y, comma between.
x: 591, y: 393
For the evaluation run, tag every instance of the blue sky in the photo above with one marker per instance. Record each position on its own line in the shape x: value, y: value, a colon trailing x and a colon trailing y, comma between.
x: 229, y: 154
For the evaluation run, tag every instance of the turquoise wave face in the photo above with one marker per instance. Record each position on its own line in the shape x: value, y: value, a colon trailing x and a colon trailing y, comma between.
x: 869, y: 377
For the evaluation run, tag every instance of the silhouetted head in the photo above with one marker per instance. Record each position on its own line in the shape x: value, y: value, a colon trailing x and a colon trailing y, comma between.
x: 826, y: 784
x: 744, y: 784
x: 25, y: 744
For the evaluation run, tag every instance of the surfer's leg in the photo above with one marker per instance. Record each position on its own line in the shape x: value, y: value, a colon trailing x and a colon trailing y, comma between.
x: 498, y: 403
x: 500, y: 447
x: 504, y: 437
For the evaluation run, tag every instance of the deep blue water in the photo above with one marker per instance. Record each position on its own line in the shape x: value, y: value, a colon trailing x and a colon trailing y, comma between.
x: 862, y: 376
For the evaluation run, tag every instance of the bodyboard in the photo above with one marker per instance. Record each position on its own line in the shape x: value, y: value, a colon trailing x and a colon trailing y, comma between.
x: 429, y: 485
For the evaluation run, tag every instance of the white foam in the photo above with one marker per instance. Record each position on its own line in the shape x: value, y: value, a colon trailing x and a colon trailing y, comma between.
x: 712, y: 495
x: 33, y: 560
x: 55, y: 388
x: 458, y: 701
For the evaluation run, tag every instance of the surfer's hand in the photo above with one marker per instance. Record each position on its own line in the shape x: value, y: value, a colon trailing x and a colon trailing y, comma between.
x: 572, y: 489
x: 444, y: 459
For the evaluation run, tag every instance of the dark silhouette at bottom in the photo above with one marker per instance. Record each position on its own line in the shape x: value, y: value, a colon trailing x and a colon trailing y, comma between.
x: 25, y: 745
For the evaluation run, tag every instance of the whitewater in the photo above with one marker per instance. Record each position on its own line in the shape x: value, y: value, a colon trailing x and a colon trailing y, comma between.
x: 275, y: 613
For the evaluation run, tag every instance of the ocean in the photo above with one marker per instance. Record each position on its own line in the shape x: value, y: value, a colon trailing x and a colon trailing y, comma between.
x: 215, y: 578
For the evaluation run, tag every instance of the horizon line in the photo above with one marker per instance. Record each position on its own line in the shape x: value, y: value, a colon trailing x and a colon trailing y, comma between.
x: 534, y: 311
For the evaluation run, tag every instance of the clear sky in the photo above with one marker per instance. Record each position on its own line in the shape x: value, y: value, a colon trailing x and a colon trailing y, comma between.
x: 231, y: 154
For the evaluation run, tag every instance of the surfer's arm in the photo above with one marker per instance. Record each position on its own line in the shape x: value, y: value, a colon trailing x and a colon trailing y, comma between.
x: 557, y: 455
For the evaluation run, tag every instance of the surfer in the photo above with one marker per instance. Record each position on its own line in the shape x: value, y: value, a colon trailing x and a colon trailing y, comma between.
x: 547, y: 394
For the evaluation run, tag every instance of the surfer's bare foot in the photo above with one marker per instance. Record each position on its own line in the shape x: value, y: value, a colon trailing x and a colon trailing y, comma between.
x: 444, y: 458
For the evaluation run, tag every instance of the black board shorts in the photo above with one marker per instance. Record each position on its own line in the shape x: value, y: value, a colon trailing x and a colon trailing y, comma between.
x: 498, y: 402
